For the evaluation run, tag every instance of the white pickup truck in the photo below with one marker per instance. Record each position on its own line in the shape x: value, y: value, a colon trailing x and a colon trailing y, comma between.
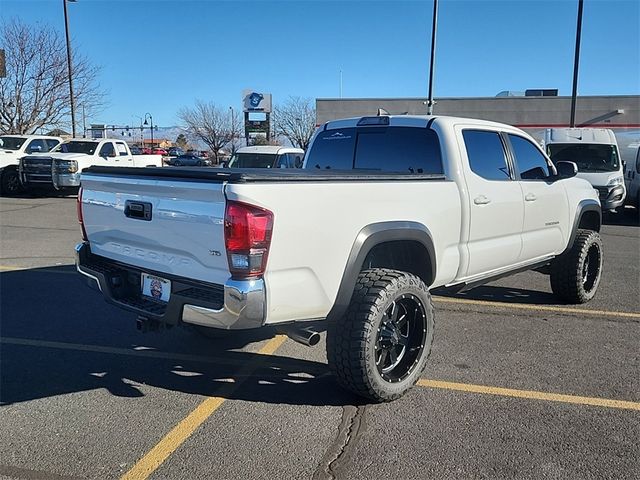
x: 60, y: 169
x: 385, y: 209
x: 12, y: 149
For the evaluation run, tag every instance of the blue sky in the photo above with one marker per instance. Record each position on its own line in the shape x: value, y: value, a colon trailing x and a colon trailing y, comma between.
x: 160, y: 55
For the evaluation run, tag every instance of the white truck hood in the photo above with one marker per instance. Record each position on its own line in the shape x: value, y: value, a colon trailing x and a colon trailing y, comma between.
x: 66, y: 156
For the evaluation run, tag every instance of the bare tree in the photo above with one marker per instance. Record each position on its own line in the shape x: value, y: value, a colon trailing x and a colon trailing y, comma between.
x: 214, y: 126
x: 35, y: 92
x: 295, y: 120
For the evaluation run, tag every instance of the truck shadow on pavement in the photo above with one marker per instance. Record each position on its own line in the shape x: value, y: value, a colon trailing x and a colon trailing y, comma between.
x: 504, y: 295
x: 60, y: 337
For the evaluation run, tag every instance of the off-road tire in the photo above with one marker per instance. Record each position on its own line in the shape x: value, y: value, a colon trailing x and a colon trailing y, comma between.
x: 10, y: 183
x: 352, y: 339
x: 570, y: 277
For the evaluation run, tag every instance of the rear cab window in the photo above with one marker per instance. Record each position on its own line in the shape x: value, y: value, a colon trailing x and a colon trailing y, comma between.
x: 377, y: 148
x: 486, y: 154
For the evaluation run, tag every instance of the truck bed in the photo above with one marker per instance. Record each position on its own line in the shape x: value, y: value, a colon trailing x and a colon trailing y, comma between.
x: 254, y: 175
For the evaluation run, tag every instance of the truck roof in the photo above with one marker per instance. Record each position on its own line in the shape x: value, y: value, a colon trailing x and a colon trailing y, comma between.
x: 269, y: 149
x: 580, y: 135
x: 30, y: 137
x: 417, y: 121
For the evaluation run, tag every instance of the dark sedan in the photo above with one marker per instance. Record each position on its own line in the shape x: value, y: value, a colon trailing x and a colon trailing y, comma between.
x: 189, y: 160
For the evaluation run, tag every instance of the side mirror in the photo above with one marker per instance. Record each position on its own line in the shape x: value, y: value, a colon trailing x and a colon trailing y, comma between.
x: 566, y: 169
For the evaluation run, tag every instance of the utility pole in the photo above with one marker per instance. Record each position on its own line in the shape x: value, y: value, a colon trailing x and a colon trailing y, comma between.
x: 434, y: 28
x: 576, y: 63
x: 70, y: 69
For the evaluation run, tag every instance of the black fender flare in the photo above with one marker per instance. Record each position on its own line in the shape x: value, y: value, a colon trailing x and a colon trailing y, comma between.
x: 370, y: 236
x: 586, y: 205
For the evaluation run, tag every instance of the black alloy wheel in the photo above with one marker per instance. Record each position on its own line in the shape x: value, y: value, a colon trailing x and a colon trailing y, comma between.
x: 401, y: 338
x: 11, y: 182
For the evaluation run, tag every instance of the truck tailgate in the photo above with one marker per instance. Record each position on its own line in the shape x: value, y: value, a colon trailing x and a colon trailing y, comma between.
x: 173, y: 226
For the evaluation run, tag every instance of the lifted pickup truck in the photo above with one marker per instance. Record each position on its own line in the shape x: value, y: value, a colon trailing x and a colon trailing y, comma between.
x: 385, y: 209
x: 60, y: 169
x: 14, y: 147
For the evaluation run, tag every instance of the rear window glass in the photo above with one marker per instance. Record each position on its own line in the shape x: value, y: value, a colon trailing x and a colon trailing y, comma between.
x: 391, y: 149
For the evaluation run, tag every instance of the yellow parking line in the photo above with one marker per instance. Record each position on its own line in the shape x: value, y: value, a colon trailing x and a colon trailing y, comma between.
x: 530, y: 394
x: 529, y: 306
x: 183, y: 430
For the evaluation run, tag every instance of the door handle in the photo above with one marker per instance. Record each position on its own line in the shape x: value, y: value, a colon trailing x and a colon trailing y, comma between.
x: 481, y: 200
x: 530, y: 197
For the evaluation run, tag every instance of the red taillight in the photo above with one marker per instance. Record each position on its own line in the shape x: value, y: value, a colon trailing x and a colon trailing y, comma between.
x: 247, y: 236
x: 80, y: 218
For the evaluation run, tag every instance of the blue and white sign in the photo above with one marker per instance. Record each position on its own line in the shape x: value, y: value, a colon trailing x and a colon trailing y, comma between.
x: 256, y: 101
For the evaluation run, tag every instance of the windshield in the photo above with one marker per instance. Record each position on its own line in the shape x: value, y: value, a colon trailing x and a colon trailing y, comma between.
x: 590, y: 158
x: 87, y: 148
x: 11, y: 143
x: 253, y: 160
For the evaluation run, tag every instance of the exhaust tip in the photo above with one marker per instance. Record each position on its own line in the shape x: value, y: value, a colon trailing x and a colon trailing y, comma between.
x: 305, y: 336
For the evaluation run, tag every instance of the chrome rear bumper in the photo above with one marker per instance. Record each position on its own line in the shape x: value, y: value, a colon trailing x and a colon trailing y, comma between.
x: 238, y: 304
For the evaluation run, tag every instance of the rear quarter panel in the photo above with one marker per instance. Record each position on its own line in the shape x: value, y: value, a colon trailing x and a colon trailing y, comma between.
x: 316, y: 225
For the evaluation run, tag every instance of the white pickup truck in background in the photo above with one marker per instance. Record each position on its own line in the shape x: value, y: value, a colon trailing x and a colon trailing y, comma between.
x: 60, y: 169
x: 385, y: 209
x: 12, y: 149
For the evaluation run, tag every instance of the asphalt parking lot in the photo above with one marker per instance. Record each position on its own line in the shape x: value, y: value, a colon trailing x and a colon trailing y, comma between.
x: 517, y: 386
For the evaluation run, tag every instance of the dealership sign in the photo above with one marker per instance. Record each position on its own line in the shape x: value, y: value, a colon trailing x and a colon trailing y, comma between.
x: 253, y: 101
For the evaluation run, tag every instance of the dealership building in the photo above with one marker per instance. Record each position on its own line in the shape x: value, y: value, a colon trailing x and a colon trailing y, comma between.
x: 534, y: 114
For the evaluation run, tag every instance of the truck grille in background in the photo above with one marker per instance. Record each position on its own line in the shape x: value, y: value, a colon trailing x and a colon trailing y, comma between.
x: 37, y: 170
x: 603, y: 192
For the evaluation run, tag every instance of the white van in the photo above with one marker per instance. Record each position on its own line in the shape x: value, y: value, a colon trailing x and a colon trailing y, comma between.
x: 595, y: 151
x: 267, y: 156
x: 632, y: 180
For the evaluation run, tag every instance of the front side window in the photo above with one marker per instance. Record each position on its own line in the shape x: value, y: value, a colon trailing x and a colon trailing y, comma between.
x: 36, y: 146
x: 532, y: 164
x: 107, y: 150
x: 590, y: 158
x: 486, y: 154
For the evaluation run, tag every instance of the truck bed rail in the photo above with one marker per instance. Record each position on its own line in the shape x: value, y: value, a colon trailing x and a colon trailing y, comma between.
x: 251, y: 175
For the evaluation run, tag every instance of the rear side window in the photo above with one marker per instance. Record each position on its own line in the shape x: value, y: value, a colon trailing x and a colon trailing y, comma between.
x: 122, y: 149
x: 486, y: 154
x: 51, y: 143
x: 391, y: 149
x: 531, y: 162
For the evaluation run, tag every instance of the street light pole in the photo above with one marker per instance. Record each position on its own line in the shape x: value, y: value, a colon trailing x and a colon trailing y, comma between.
x: 434, y: 28
x: 576, y: 63
x: 145, y: 122
x: 70, y: 69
